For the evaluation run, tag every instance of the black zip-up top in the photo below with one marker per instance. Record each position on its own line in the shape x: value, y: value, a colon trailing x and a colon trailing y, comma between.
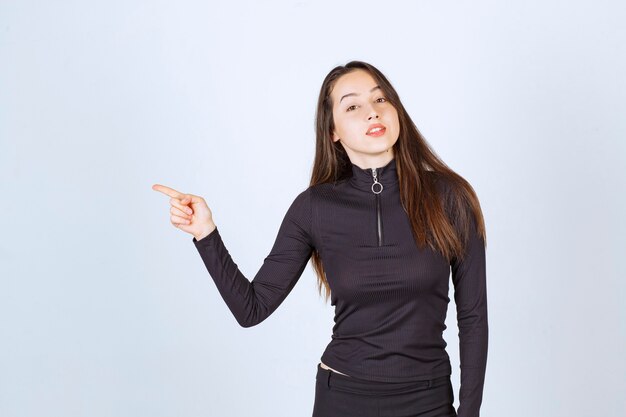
x: 390, y: 296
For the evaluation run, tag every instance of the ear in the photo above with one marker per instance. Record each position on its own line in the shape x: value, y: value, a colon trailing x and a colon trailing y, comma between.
x: 335, y: 137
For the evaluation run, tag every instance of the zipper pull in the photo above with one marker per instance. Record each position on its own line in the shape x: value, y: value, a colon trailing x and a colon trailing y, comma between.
x: 376, y: 182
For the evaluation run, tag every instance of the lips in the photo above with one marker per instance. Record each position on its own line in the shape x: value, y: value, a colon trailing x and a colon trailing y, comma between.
x: 376, y: 129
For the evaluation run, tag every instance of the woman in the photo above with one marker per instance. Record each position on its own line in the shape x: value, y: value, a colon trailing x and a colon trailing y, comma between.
x: 384, y: 221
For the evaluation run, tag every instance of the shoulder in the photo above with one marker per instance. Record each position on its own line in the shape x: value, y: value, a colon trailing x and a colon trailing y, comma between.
x: 307, y: 197
x: 314, y: 196
x: 450, y: 186
x: 456, y: 195
x: 443, y: 185
x: 302, y: 199
x: 320, y: 192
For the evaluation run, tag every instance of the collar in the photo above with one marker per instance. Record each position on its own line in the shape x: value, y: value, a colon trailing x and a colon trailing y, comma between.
x: 364, y: 178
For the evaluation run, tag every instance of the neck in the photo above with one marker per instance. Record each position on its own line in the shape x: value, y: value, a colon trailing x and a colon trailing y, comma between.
x: 374, y: 161
x: 386, y: 174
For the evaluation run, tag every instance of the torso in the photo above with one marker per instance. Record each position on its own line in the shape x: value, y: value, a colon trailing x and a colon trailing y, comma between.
x: 326, y: 367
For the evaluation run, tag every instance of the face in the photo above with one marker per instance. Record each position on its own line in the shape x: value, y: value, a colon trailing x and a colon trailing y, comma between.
x: 358, y: 105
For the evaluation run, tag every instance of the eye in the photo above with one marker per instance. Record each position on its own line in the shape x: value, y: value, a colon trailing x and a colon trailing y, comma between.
x: 348, y: 109
x: 381, y: 98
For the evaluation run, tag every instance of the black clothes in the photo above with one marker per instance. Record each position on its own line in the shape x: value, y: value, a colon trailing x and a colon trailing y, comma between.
x: 341, y: 396
x: 390, y: 297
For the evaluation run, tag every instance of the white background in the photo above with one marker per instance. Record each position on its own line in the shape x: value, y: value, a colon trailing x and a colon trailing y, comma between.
x: 107, y: 310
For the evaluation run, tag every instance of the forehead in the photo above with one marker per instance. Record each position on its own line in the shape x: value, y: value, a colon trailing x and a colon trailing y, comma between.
x: 357, y: 81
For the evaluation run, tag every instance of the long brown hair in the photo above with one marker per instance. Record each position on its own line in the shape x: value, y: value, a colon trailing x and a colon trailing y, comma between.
x: 443, y: 224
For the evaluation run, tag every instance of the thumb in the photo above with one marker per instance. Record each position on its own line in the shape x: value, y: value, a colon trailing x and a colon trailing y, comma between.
x: 189, y: 198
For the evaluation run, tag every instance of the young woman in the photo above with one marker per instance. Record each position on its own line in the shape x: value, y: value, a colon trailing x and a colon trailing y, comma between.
x: 384, y: 221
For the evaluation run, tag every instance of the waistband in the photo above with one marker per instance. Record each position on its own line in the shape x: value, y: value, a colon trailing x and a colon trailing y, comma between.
x: 360, y: 386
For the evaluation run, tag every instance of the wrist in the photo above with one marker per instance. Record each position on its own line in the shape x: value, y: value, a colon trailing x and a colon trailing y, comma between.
x: 207, y: 231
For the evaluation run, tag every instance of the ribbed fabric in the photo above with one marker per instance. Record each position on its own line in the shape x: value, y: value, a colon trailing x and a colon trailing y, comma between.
x: 390, y: 297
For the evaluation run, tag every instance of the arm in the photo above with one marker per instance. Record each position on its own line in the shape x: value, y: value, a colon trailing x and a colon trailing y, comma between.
x: 470, y: 295
x: 252, y: 302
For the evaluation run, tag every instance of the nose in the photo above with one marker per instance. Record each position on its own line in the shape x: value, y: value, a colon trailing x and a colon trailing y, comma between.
x: 372, y: 114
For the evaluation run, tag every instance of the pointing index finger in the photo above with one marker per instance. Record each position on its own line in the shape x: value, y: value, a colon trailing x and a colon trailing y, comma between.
x: 167, y: 191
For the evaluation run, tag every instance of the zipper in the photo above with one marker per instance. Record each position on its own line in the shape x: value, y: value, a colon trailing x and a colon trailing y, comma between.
x: 377, y: 190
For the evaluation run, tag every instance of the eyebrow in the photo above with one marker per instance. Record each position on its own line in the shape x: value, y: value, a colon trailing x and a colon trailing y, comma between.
x: 355, y: 94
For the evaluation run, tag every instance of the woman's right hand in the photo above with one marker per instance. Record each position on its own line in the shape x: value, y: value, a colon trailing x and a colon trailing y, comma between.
x: 190, y: 213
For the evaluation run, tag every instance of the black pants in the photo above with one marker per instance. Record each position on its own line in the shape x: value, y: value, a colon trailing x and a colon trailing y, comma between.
x: 338, y: 395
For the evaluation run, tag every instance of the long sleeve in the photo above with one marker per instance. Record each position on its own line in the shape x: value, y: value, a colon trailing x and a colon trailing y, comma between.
x: 470, y: 295
x: 252, y: 302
